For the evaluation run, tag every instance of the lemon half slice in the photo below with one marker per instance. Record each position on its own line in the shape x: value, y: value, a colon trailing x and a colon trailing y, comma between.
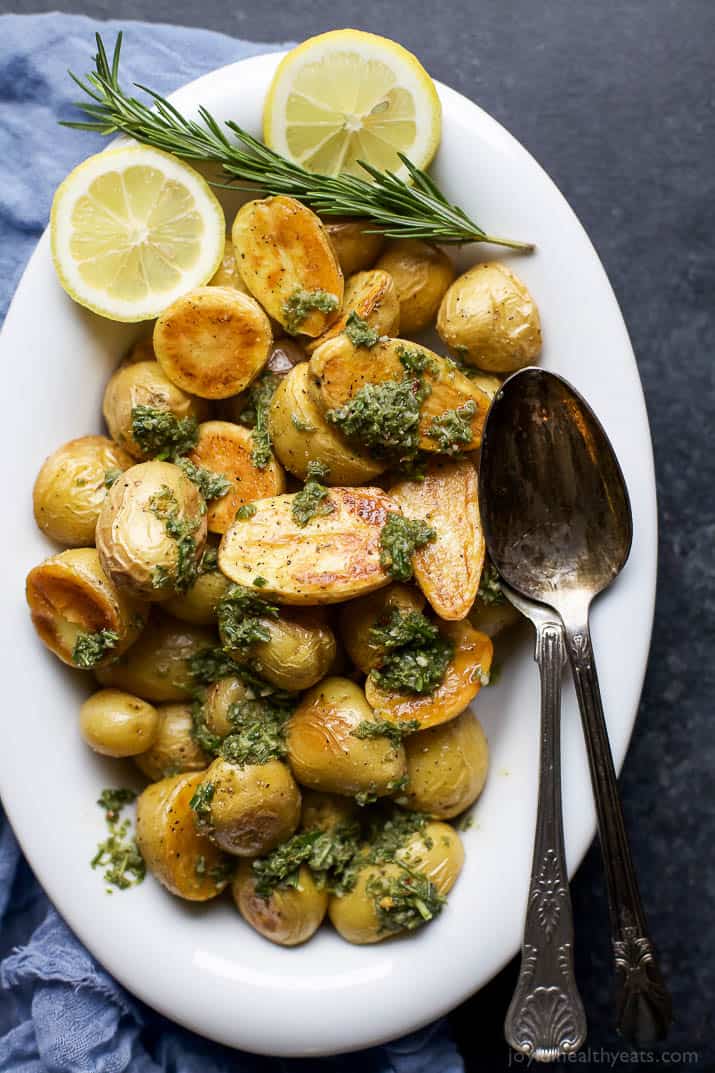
x: 347, y: 96
x: 132, y: 229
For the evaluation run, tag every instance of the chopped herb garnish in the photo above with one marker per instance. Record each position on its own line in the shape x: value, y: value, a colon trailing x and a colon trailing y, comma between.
x: 90, y: 648
x: 110, y: 476
x: 383, y: 417
x: 383, y: 728
x: 113, y: 800
x: 396, y: 786
x: 255, y: 416
x: 211, y: 485
x: 402, y: 628
x: 118, y: 854
x: 217, y: 872
x: 415, y: 360
x: 161, y: 434
x: 209, y: 561
x: 205, y: 738
x: 258, y: 733
x: 313, y: 499
x: 201, y: 803
x: 390, y: 830
x: 165, y: 507
x: 399, y: 539
x: 480, y: 675
x: 242, y: 616
x: 328, y: 854
x: 490, y: 590
x: 317, y: 470
x: 416, y: 653
x: 301, y: 303
x: 359, y: 331
x: 210, y: 664
x: 452, y: 429
x: 406, y: 901
x: 259, y: 582
x: 366, y: 797
x: 301, y: 425
x: 245, y: 512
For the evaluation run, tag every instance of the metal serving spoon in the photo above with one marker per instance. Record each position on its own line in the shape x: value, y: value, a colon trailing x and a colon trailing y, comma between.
x: 558, y: 527
x: 547, y: 984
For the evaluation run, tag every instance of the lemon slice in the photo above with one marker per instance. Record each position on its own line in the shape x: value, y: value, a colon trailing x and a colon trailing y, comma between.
x: 132, y: 229
x: 347, y: 96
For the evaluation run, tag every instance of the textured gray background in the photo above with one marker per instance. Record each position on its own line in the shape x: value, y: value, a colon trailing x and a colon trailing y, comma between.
x: 615, y: 98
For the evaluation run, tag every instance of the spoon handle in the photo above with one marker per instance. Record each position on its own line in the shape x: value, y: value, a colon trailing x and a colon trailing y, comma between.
x: 643, y: 1003
x: 546, y: 1018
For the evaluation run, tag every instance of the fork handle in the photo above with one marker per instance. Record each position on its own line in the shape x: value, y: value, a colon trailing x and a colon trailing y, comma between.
x: 545, y: 1018
x: 643, y: 1002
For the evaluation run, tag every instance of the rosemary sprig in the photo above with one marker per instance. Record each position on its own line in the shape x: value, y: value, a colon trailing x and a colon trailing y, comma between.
x: 415, y: 209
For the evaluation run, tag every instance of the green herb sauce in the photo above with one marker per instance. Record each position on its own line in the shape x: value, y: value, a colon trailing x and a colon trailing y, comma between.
x: 383, y: 728
x: 313, y: 500
x: 90, y: 648
x: 359, y: 331
x: 452, y: 429
x: 211, y: 485
x: 161, y: 434
x: 242, y: 616
x: 490, y: 590
x: 165, y: 507
x: 301, y: 303
x: 245, y: 512
x: 416, y: 657
x: 255, y: 416
x: 399, y: 539
x: 110, y: 476
x: 118, y: 854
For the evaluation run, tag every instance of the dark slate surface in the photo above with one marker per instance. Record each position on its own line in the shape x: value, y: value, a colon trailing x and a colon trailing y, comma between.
x: 615, y: 98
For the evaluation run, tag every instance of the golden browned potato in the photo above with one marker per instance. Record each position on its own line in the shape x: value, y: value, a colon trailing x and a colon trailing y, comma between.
x: 183, y: 859
x: 71, y: 486
x: 217, y: 704
x: 324, y: 812
x: 198, y: 604
x: 490, y: 319
x: 354, y: 915
x: 422, y: 274
x: 437, y: 852
x: 356, y: 245
x: 151, y: 531
x: 301, y: 435
x: 226, y: 448
x: 144, y: 384
x: 493, y: 618
x: 174, y: 749
x: 338, y: 371
x: 332, y: 558
x: 117, y: 724
x: 325, y: 753
x: 78, y: 612
x: 466, y: 672
x: 227, y: 274
x: 213, y: 341
x: 156, y: 667
x: 287, y: 262
x: 290, y: 915
x: 372, y: 297
x: 448, y: 568
x: 249, y: 808
x: 359, y: 617
x: 446, y: 767
x: 299, y: 651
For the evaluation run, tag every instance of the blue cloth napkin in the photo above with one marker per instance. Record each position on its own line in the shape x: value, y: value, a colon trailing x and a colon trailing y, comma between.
x: 59, y: 1010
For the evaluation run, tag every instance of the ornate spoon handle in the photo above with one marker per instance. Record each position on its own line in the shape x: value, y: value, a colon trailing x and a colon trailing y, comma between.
x: 643, y: 1003
x: 546, y: 1018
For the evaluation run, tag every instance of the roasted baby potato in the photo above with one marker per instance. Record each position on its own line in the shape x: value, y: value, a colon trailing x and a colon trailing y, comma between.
x: 324, y: 812
x: 467, y: 670
x: 338, y: 371
x: 117, y: 724
x: 217, y: 704
x: 490, y: 319
x: 156, y: 667
x: 71, y: 486
x: 301, y: 435
x: 198, y: 604
x: 359, y: 617
x: 78, y: 612
x: 151, y: 531
x: 298, y: 653
x: 144, y: 383
x: 183, y: 859
x: 287, y: 262
x: 437, y: 852
x: 252, y: 807
x: 226, y: 448
x: 449, y: 567
x: 422, y: 274
x: 227, y: 274
x: 446, y: 767
x: 290, y: 915
x: 334, y: 557
x: 373, y: 297
x: 355, y: 244
x: 325, y: 753
x: 174, y: 749
x: 213, y: 341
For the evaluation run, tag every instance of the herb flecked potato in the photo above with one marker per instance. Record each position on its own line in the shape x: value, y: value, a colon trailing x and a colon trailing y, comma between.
x: 298, y: 653
x: 356, y: 245
x: 372, y: 297
x: 289, y: 915
x: 421, y: 273
x: 359, y: 617
x: 174, y: 749
x: 198, y: 604
x: 446, y: 767
x: 324, y: 812
x: 117, y: 724
x: 216, y: 708
x: 144, y: 384
x: 251, y: 808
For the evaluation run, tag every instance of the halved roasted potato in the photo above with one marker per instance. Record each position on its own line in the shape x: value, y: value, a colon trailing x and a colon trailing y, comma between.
x: 144, y: 384
x: 422, y: 274
x: 338, y: 371
x: 289, y: 915
x: 466, y: 672
x: 332, y: 558
x: 183, y: 859
x: 357, y: 245
x: 78, y: 612
x: 446, y: 767
x: 173, y: 749
x: 226, y: 448
x: 213, y: 341
x: 287, y: 262
x: 359, y: 617
x: 449, y: 567
x: 372, y: 297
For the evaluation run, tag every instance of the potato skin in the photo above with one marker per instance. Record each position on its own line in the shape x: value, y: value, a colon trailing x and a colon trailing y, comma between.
x: 198, y: 604
x: 353, y: 915
x: 174, y: 749
x: 299, y: 653
x: 334, y: 557
x: 213, y: 341
x: 301, y: 435
x: 282, y: 247
x: 144, y: 383
x: 325, y: 754
x: 489, y: 316
x: 134, y: 543
x: 156, y: 667
x: 289, y: 916
x: 70, y: 488
x: 358, y: 617
x: 446, y: 767
x: 226, y: 448
x: 437, y: 852
x: 324, y: 812
x: 373, y: 296
x: 355, y: 246
x: 254, y: 807
x: 117, y: 724
x: 422, y: 274
x: 217, y: 704
x: 69, y: 594
x: 171, y: 845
